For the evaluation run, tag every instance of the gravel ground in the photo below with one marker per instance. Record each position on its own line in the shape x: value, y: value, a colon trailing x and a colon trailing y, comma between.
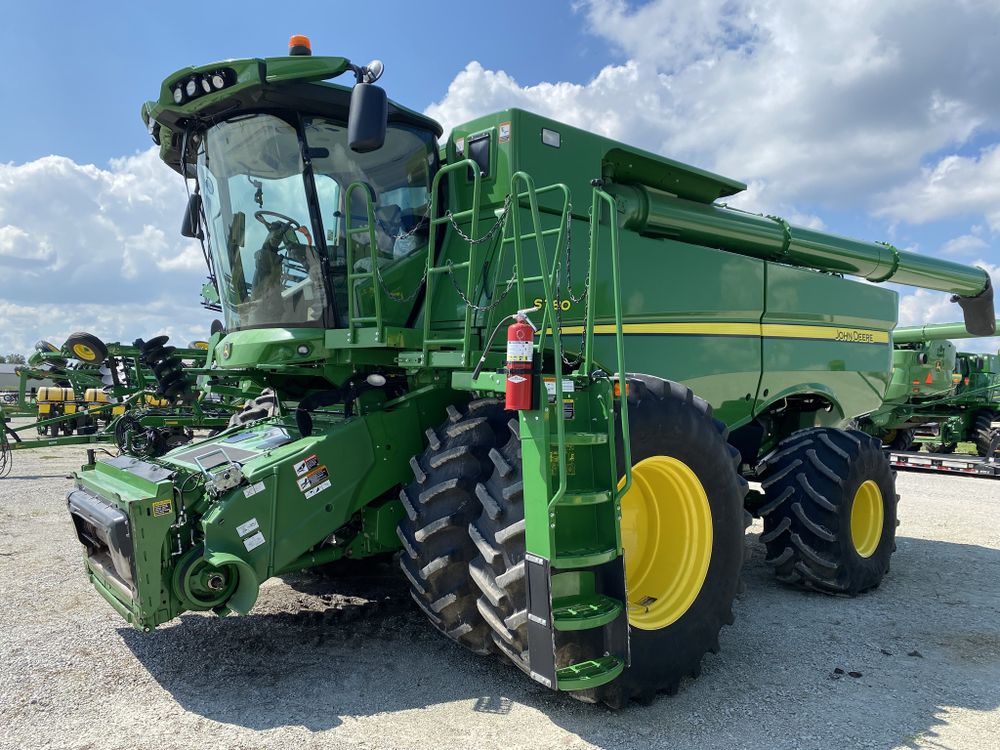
x: 350, y: 663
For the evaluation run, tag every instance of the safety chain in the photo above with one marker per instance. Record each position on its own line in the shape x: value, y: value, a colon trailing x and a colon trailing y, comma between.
x: 569, y: 252
x: 404, y: 235
x: 501, y: 220
x: 500, y: 224
x: 469, y: 303
x: 398, y: 296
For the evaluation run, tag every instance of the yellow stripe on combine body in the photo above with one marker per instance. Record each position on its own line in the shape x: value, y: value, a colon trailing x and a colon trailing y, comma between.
x: 766, y: 330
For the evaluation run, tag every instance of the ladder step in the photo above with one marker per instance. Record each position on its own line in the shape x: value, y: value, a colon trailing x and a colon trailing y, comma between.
x: 585, y: 497
x: 584, y: 438
x: 589, y: 674
x: 584, y: 612
x: 583, y: 558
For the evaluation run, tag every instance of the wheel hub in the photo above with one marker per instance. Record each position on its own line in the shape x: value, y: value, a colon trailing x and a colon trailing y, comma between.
x: 867, y: 518
x: 666, y: 531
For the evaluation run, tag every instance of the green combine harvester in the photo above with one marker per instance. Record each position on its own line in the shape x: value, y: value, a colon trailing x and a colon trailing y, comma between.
x: 937, y: 394
x: 573, y: 498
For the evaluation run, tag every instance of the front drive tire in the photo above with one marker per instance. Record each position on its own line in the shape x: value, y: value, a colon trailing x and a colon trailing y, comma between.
x: 829, y: 511
x: 667, y: 421
x: 439, y: 505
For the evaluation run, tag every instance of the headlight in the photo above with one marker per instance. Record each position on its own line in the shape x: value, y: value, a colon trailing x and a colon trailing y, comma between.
x: 191, y: 87
x: 178, y: 95
x: 218, y: 81
x: 205, y: 85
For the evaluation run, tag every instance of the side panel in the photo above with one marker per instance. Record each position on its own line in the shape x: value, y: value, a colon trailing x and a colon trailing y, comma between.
x: 690, y: 314
x: 839, y: 331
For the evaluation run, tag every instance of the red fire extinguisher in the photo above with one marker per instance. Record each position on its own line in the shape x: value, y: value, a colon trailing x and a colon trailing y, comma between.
x: 520, y: 348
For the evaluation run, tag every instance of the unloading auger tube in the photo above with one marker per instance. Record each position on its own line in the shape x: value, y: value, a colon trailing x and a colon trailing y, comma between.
x: 932, y: 332
x: 653, y: 212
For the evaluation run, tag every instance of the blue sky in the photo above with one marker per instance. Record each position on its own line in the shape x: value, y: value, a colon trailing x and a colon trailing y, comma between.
x: 109, y: 57
x: 870, y: 119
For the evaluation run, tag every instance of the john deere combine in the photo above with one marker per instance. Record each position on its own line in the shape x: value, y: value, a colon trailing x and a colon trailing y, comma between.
x: 938, y: 394
x: 366, y: 269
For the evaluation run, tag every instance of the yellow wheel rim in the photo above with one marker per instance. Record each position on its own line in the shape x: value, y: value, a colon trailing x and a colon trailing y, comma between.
x: 667, y: 537
x: 867, y: 518
x: 199, y: 345
x: 84, y: 352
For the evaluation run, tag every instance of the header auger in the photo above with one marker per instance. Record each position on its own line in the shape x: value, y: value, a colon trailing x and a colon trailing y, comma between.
x: 595, y: 538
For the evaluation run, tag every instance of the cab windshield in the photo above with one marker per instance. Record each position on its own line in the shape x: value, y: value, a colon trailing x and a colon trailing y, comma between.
x: 270, y: 248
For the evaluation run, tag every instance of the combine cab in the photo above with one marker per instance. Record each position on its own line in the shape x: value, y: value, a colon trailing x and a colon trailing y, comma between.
x: 536, y: 364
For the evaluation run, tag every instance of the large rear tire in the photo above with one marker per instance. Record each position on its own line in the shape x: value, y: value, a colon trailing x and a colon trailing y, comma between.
x: 830, y: 510
x: 684, y: 473
x: 983, y: 431
x: 439, y: 505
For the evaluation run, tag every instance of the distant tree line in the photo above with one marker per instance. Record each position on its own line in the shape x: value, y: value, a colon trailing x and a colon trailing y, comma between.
x: 12, y: 359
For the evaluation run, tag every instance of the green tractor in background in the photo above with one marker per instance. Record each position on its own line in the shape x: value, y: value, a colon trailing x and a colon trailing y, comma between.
x: 574, y: 498
x: 938, y: 395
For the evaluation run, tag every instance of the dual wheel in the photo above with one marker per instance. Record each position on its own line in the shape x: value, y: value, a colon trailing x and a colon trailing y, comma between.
x: 829, y: 517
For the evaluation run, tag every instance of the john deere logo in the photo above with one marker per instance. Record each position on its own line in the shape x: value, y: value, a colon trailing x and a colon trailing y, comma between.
x: 227, y: 349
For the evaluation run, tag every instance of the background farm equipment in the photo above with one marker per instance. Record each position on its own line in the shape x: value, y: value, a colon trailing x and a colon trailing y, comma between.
x: 593, y: 537
x: 145, y: 398
x: 938, y: 396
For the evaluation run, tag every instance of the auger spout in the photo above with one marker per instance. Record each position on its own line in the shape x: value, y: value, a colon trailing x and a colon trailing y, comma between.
x: 650, y: 211
x: 932, y: 332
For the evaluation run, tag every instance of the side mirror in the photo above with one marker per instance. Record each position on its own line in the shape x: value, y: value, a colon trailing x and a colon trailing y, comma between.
x: 367, y: 119
x: 191, y: 225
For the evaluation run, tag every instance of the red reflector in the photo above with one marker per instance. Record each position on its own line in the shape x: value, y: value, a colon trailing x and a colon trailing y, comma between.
x: 930, y: 378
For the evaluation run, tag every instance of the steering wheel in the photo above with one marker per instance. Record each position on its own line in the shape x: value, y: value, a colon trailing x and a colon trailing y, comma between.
x: 259, y: 216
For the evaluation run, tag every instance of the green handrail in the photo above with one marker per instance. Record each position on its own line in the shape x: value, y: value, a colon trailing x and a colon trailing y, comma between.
x: 353, y: 309
x: 601, y: 198
x: 532, y: 195
x: 434, y: 270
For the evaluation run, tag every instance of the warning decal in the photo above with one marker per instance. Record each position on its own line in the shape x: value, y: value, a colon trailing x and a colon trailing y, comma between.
x: 245, y: 528
x: 306, y: 465
x: 318, y: 488
x: 253, y: 542
x: 314, y: 477
x: 162, y: 508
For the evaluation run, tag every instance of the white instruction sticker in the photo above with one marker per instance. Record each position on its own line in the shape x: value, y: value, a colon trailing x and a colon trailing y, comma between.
x: 253, y: 489
x: 550, y: 386
x: 318, y: 488
x: 245, y: 528
x: 519, y: 351
x: 253, y: 542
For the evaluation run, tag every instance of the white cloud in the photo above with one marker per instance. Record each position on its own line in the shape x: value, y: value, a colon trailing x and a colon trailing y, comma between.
x: 821, y: 102
x: 23, y: 325
x: 86, y: 248
x: 954, y: 186
x: 966, y: 244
